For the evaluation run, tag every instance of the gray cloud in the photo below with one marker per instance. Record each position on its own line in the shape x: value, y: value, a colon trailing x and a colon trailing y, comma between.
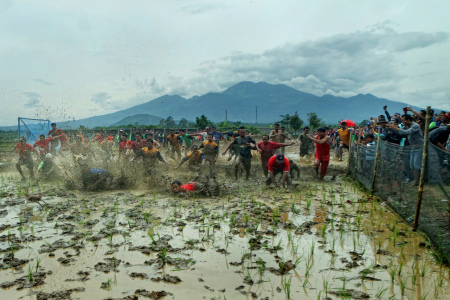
x: 43, y: 81
x: 342, y: 64
x: 33, y: 99
x: 100, y: 98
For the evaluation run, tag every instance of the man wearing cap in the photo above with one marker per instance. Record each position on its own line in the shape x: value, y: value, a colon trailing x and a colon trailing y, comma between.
x: 344, y: 135
x: 25, y: 150
x: 279, y: 164
x: 322, y: 155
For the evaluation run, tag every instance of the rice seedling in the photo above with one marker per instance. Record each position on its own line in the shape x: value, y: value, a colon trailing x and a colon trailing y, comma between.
x: 380, y: 292
x: 313, y: 244
x: 400, y: 268
x: 30, y: 273
x: 111, y: 238
x: 402, y: 285
x: 308, y: 202
x: 246, y: 218
x: 164, y: 255
x: 413, y: 278
x: 326, y: 287
x: 124, y: 236
x: 114, y: 262
x: 287, y: 287
x: 392, y: 272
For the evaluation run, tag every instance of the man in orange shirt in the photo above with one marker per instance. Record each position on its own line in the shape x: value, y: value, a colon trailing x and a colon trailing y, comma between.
x: 344, y: 134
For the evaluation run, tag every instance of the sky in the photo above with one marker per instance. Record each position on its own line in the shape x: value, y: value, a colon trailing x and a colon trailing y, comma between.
x: 67, y: 60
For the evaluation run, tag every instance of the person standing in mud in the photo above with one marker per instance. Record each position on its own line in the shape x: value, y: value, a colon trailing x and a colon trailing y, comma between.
x: 275, y: 133
x: 282, y: 138
x: 138, y: 144
x: 305, y: 142
x: 44, y: 145
x: 52, y: 134
x: 149, y: 155
x: 156, y: 144
x: 322, y: 155
x: 196, y: 159
x: 344, y: 135
x: 25, y: 151
x: 175, y: 146
x: 79, y: 148
x: 125, y: 146
x: 63, y: 140
x: 266, y: 149
x: 211, y: 152
x: 245, y: 152
x: 187, y: 139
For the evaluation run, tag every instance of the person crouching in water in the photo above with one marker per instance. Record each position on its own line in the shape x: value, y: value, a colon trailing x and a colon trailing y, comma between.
x: 279, y: 164
x: 47, y: 169
x: 196, y: 160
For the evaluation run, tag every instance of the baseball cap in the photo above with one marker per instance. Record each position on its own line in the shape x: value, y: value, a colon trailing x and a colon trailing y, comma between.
x: 279, y: 158
x: 48, y: 155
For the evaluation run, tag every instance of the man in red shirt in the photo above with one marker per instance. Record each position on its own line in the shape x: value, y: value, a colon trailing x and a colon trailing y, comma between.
x: 124, y: 146
x: 44, y: 145
x: 25, y: 150
x: 322, y: 155
x: 279, y: 164
x: 99, y: 138
x: 139, y: 143
x: 266, y: 149
x: 62, y: 139
x: 177, y: 187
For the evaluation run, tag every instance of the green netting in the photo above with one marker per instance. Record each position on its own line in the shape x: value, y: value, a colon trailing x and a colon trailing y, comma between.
x: 394, y: 183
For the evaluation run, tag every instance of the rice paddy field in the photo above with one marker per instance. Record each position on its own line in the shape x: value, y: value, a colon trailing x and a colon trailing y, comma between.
x: 322, y: 240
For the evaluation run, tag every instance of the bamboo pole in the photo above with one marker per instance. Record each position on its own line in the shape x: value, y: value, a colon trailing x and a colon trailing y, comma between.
x: 377, y: 158
x: 349, y: 152
x: 357, y: 153
x: 422, y: 169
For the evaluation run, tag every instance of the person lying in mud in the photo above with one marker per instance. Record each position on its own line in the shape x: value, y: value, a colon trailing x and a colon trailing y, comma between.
x: 95, y: 179
x: 196, y: 160
x: 47, y: 169
x: 149, y: 155
x: 209, y: 187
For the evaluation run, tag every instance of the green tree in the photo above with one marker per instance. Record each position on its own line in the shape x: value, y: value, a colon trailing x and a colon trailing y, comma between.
x: 183, y: 123
x: 314, y: 121
x: 295, y: 122
x: 202, y: 122
x: 363, y: 123
x: 285, y: 119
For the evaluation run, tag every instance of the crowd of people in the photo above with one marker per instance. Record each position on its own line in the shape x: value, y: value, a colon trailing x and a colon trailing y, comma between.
x: 200, y: 150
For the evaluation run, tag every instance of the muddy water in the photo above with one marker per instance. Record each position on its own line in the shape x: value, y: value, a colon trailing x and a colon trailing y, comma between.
x: 322, y: 240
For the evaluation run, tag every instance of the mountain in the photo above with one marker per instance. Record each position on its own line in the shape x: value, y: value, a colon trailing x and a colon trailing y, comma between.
x: 240, y: 102
x: 140, y: 119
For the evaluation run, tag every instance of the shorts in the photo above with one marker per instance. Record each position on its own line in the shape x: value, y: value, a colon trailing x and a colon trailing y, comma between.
x: 28, y: 163
x: 344, y: 146
x: 304, y: 151
x: 415, y: 160
x: 246, y: 163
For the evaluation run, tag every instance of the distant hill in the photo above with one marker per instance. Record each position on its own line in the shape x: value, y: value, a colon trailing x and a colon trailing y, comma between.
x: 240, y: 101
x: 140, y: 119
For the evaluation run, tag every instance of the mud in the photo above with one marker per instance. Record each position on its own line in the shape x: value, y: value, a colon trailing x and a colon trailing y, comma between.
x: 323, y: 240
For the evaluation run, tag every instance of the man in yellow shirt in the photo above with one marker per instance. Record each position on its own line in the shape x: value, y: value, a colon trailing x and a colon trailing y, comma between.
x: 174, y: 141
x: 344, y: 135
x: 210, y: 151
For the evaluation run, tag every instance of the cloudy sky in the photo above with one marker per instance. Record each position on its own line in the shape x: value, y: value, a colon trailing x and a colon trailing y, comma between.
x: 75, y: 59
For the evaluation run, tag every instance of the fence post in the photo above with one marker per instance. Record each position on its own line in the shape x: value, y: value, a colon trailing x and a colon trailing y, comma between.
x: 349, y: 152
x: 422, y: 169
x: 377, y: 158
x: 357, y: 153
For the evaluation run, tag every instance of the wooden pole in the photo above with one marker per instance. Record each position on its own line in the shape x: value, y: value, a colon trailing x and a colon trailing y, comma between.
x: 422, y: 169
x: 357, y: 153
x: 349, y: 152
x: 377, y: 158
